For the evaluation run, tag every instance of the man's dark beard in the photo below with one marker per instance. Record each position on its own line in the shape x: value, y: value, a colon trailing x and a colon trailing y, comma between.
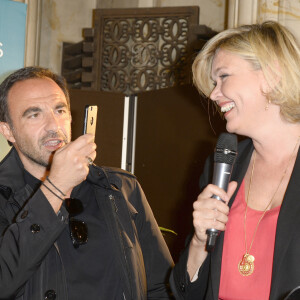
x: 40, y: 162
x: 30, y: 152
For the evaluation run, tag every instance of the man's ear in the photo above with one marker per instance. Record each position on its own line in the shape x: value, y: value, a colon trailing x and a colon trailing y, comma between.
x: 6, y: 131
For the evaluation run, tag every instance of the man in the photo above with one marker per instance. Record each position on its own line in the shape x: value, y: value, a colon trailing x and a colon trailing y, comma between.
x: 69, y: 229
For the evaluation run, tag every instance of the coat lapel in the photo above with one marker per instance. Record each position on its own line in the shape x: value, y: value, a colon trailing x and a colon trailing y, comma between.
x: 288, y: 222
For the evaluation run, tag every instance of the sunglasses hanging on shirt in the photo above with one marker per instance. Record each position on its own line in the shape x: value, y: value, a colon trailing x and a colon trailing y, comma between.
x: 78, y: 229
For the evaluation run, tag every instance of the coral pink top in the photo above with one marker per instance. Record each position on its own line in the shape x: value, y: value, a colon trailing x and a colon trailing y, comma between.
x: 234, y: 286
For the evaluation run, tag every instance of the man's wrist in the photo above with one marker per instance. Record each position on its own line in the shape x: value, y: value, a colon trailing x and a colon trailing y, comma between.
x: 55, y: 187
x: 52, y: 192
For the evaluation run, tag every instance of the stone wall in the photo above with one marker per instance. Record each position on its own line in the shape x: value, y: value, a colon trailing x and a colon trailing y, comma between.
x: 62, y: 21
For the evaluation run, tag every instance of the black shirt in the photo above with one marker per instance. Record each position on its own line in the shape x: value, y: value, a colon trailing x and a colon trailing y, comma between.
x: 92, y: 269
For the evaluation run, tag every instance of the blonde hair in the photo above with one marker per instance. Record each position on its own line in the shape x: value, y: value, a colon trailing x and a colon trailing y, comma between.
x: 268, y: 46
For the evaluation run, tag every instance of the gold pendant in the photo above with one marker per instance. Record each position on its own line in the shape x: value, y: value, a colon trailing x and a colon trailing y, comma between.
x: 246, y: 265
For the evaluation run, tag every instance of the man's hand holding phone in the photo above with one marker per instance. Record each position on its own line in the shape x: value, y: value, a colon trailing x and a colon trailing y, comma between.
x: 70, y: 164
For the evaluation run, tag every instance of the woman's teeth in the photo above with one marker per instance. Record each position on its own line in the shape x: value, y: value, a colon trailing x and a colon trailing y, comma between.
x: 227, y: 107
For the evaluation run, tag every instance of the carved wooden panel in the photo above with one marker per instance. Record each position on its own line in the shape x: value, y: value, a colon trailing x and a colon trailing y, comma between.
x: 142, y: 49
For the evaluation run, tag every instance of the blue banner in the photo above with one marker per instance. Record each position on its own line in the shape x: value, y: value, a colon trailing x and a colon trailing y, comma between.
x: 12, y: 36
x: 12, y: 45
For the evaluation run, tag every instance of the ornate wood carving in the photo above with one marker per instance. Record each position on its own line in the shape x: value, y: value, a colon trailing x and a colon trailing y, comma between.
x: 141, y: 49
x: 135, y: 50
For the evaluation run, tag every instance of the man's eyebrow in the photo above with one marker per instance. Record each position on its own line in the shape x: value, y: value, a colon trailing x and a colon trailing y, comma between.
x: 35, y: 109
x: 61, y: 104
x: 30, y: 110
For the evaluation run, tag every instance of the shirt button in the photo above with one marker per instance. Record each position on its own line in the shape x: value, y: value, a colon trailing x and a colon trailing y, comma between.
x: 50, y: 295
x: 24, y: 214
x: 182, y: 287
x: 35, y: 228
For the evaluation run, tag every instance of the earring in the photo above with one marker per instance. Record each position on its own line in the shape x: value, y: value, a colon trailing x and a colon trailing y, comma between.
x: 267, y: 105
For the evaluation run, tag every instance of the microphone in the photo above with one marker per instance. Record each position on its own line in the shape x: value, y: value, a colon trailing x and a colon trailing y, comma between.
x: 224, y: 157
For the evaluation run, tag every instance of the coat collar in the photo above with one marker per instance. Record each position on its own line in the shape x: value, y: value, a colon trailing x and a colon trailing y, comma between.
x: 11, y: 173
x: 12, y: 176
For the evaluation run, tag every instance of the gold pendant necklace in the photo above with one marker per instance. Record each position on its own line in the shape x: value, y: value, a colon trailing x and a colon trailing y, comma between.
x: 246, y: 264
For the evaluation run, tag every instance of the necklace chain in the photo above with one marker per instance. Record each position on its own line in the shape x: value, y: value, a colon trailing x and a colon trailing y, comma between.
x: 246, y: 265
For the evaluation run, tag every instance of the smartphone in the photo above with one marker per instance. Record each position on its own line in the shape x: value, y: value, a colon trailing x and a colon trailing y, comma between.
x: 90, y: 119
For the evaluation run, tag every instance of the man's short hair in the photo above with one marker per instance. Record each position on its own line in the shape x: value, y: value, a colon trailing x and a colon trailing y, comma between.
x: 24, y: 74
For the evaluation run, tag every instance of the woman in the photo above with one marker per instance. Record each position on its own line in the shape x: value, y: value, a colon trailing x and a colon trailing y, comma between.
x: 252, y: 74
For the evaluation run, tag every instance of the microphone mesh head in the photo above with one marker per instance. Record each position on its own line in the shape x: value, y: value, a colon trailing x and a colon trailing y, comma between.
x: 226, y: 149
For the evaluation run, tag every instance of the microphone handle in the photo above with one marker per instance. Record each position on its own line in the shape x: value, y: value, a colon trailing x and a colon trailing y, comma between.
x: 221, y: 178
